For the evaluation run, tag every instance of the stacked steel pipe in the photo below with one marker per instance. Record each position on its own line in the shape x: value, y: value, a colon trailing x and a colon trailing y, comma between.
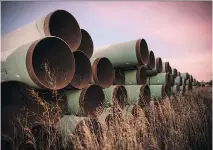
x: 54, y: 53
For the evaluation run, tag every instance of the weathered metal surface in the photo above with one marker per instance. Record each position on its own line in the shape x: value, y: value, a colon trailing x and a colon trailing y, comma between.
x: 175, y: 89
x: 133, y: 77
x: 125, y: 54
x: 151, y: 63
x: 115, y: 95
x: 183, y: 81
x: 102, y: 72
x: 88, y: 101
x: 172, y: 80
x: 86, y: 43
x: 59, y: 23
x: 138, y: 94
x: 174, y: 72
x: 83, y: 71
x: 159, y: 91
x: 185, y: 75
x: 159, y: 64
x: 166, y: 67
x: 159, y: 79
x: 119, y: 76
x: 45, y: 63
x: 178, y: 80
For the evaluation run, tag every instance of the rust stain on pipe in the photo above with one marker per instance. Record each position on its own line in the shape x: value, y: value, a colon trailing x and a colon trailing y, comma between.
x: 159, y: 65
x: 86, y: 43
x: 119, y: 77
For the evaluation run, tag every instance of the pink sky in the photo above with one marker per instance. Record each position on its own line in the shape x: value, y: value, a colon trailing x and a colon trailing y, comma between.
x: 179, y: 32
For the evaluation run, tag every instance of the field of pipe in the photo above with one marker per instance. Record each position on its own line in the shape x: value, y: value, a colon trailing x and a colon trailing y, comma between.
x: 61, y: 92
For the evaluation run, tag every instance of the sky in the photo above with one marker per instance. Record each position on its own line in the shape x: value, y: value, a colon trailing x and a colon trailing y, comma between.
x: 178, y: 32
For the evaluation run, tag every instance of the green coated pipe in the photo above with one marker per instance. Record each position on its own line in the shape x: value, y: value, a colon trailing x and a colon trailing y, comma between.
x: 160, y: 91
x: 166, y: 67
x: 151, y: 63
x: 115, y: 95
x: 125, y: 54
x: 138, y: 94
x: 102, y: 72
x: 175, y: 89
x: 152, y: 72
x: 183, y: 89
x: 47, y: 63
x: 86, y: 45
x: 178, y: 80
x: 185, y: 75
x: 183, y: 81
x: 159, y: 79
x: 174, y: 72
x: 178, y: 74
x: 159, y: 65
x: 86, y: 102
x: 83, y: 71
x: 133, y: 77
x: 74, y: 125
x: 119, y: 76
x: 59, y: 23
x: 172, y: 80
x: 132, y: 110
x: 106, y: 116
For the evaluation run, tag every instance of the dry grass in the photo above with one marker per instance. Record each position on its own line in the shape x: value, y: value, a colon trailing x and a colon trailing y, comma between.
x: 181, y: 123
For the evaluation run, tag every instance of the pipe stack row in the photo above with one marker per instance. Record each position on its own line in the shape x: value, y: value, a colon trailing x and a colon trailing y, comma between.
x: 54, y: 53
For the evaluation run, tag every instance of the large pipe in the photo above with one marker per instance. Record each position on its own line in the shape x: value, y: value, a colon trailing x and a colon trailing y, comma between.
x: 86, y: 43
x: 82, y: 127
x: 175, y: 89
x: 102, y: 72
x: 160, y: 91
x: 178, y: 80
x: 174, y: 72
x: 138, y: 94
x: 45, y: 63
x: 183, y: 89
x: 133, y: 110
x: 133, y: 77
x: 172, y: 80
x: 115, y: 95
x: 59, y: 23
x: 166, y: 67
x: 159, y: 79
x: 158, y: 68
x: 151, y: 63
x: 185, y: 75
x: 83, y: 71
x: 119, y: 76
x: 125, y: 54
x: 86, y: 102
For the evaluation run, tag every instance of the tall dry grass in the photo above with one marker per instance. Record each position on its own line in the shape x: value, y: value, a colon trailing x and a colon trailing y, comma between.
x: 178, y: 123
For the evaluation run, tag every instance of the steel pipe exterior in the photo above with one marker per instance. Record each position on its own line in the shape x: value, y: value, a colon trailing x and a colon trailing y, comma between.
x: 172, y: 80
x: 159, y: 79
x: 133, y: 77
x: 115, y: 95
x: 74, y: 125
x: 138, y: 94
x: 175, y: 89
x: 125, y: 54
x: 151, y: 62
x: 178, y: 80
x: 174, y: 72
x: 160, y: 91
x: 185, y: 75
x: 102, y: 72
x: 45, y: 63
x: 119, y: 76
x: 83, y: 71
x: 159, y: 65
x: 106, y: 116
x: 59, y: 23
x: 86, y: 43
x: 166, y: 67
x: 88, y: 101
x: 183, y: 89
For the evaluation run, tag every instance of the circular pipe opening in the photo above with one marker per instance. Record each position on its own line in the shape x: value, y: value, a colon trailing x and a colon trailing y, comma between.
x: 151, y: 62
x: 92, y: 99
x: 167, y: 67
x: 145, y: 95
x: 159, y: 65
x: 141, y: 76
x: 119, y: 77
x: 120, y: 96
x: 142, y: 52
x: 86, y: 43
x: 62, y: 24
x: 50, y: 63
x: 174, y: 72
x: 83, y: 70
x: 171, y: 77
x: 167, y: 78
x: 103, y: 72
